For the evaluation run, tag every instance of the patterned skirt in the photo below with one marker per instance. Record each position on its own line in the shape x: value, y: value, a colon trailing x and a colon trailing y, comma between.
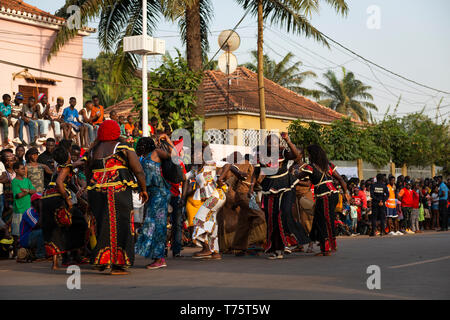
x: 63, y: 230
x: 205, y: 221
x: 112, y: 209
x: 151, y: 242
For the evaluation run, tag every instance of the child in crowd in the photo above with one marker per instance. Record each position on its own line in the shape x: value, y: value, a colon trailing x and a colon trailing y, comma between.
x: 5, y: 112
x: 35, y: 171
x: 22, y: 189
x: 129, y: 126
x: 354, y: 216
x: 122, y: 123
x: 31, y: 237
x: 20, y: 152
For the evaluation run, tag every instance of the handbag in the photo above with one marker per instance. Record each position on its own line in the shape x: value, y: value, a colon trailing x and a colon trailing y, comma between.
x: 171, y: 172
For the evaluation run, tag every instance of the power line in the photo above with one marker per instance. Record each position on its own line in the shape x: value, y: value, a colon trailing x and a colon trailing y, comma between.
x: 381, y: 67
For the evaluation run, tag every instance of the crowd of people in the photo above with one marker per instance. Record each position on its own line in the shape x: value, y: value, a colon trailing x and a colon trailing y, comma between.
x: 101, y: 193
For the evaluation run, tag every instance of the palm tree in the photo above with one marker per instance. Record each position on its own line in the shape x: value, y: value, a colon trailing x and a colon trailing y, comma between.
x: 341, y: 95
x: 292, y: 15
x: 287, y: 76
x: 121, y: 18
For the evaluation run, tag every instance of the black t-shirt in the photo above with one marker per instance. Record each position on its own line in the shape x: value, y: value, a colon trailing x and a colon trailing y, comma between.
x: 47, y: 159
x: 379, y: 192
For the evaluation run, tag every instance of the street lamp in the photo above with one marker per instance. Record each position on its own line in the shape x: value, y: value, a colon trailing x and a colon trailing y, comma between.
x: 144, y: 45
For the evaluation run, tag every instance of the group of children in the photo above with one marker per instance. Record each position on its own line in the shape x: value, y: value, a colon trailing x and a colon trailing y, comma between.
x: 406, y: 206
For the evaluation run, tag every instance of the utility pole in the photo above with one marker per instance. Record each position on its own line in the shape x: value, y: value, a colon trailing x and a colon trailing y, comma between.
x: 262, y: 104
x: 145, y: 128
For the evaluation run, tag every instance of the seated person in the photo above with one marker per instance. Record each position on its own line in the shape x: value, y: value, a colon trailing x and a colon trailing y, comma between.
x: 5, y: 112
x: 28, y: 120
x: 31, y: 236
x: 43, y: 119
x: 16, y: 111
x: 71, y: 117
x: 88, y: 128
x: 54, y: 114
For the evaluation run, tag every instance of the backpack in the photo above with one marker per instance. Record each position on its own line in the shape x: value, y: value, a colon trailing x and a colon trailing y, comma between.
x: 172, y: 172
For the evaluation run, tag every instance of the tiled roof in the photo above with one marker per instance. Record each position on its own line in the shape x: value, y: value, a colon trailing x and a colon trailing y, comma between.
x: 19, y: 5
x: 244, y: 97
x: 21, y: 10
x: 123, y: 108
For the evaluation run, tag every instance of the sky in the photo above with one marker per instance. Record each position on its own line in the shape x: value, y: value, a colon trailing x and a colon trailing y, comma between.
x: 408, y: 37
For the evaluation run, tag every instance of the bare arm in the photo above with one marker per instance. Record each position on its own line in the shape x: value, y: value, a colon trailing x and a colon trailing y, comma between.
x: 341, y: 181
x: 138, y: 171
x: 60, y: 185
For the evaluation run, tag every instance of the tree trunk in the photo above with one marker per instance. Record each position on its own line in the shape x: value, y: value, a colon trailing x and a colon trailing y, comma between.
x: 194, y: 48
x: 262, y: 105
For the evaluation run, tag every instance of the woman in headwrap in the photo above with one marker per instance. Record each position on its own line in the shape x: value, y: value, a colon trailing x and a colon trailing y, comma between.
x: 110, y: 169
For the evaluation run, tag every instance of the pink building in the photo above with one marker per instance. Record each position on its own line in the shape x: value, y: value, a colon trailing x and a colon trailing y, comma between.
x: 26, y: 35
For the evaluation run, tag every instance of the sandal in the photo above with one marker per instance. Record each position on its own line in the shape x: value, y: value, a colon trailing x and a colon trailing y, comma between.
x: 200, y: 255
x: 117, y: 271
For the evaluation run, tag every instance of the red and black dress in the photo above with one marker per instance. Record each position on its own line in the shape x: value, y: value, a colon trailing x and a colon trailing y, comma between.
x: 110, y: 185
x: 278, y: 188
x: 63, y: 230
x: 327, y: 197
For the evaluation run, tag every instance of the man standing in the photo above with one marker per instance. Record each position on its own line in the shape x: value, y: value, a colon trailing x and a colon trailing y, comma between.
x: 5, y: 112
x: 379, y: 194
x: 443, y: 197
x: 46, y: 158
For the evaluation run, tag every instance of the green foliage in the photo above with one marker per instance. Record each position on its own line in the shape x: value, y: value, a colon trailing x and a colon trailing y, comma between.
x: 100, y: 70
x: 303, y: 134
x: 413, y: 140
x: 175, y: 106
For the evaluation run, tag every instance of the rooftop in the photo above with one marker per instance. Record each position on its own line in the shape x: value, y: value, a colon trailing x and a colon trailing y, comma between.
x: 280, y: 102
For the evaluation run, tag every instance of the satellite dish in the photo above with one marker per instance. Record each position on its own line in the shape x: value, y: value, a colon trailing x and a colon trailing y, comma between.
x: 232, y: 43
x: 230, y: 60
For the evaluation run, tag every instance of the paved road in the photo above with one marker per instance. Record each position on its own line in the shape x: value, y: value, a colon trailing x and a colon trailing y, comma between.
x: 412, y: 267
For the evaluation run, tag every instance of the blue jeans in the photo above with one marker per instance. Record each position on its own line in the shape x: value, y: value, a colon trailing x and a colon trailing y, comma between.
x: 176, y: 219
x: 32, y: 126
x: 91, y: 132
x: 36, y: 240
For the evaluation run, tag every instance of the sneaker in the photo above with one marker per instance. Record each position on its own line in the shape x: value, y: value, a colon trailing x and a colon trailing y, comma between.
x: 17, y: 140
x: 157, y: 265
x: 399, y: 233
x: 275, y: 255
x: 378, y: 233
x: 408, y: 231
x: 392, y: 233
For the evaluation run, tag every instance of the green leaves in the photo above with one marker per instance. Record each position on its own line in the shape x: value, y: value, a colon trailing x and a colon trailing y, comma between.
x: 414, y: 139
x: 175, y: 105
